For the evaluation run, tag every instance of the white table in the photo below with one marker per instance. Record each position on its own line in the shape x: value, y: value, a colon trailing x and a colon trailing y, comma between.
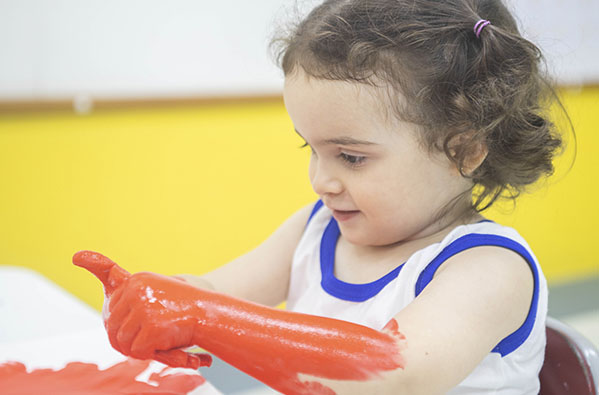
x: 43, y: 326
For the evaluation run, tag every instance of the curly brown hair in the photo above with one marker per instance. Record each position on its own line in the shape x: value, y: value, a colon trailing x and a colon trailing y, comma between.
x: 459, y: 88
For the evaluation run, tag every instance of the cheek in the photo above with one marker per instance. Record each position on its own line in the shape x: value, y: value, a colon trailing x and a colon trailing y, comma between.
x: 375, y: 194
x: 388, y: 192
x: 312, y: 168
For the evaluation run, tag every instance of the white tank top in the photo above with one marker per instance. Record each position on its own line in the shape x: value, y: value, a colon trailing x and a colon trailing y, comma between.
x: 513, y: 365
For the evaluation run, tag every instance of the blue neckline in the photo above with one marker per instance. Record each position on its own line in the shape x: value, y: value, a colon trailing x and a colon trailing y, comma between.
x: 341, y: 289
x: 362, y: 292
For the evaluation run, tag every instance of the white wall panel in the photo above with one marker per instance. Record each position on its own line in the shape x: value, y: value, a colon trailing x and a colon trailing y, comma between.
x: 60, y: 49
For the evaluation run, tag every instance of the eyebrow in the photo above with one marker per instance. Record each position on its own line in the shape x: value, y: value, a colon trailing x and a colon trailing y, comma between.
x: 343, y: 140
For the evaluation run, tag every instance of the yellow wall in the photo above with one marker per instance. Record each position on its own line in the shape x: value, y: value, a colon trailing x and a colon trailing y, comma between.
x: 186, y: 189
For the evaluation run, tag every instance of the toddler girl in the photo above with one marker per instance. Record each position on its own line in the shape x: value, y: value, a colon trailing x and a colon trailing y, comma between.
x: 419, y: 114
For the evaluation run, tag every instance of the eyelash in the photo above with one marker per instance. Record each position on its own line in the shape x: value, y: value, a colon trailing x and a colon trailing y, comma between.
x: 352, y: 161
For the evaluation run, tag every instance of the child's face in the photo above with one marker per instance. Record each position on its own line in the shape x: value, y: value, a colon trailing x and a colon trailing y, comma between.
x: 369, y: 168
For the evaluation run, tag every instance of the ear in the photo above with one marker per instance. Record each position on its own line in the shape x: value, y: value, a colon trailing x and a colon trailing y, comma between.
x: 475, y: 157
x: 471, y: 148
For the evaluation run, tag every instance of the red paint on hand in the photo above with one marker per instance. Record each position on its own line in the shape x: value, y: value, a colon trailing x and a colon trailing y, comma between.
x: 109, y: 273
x: 150, y: 315
x: 84, y: 378
x: 112, y: 277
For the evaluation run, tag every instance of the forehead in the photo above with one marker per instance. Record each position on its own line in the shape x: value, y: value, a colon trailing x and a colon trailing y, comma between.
x: 302, y: 86
x: 320, y: 104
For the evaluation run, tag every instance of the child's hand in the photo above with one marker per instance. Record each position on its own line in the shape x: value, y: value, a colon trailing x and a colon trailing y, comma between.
x: 147, y: 315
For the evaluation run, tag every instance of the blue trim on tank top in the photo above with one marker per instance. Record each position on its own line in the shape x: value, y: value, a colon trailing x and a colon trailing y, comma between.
x: 341, y: 289
x: 519, y: 336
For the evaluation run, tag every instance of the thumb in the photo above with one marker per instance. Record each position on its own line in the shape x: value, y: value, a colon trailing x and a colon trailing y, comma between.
x: 109, y: 273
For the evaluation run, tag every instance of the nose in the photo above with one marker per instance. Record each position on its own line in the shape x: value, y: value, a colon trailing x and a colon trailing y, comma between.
x: 323, y: 180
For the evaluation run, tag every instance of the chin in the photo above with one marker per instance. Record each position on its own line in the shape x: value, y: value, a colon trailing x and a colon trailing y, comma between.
x: 352, y: 237
x: 360, y: 239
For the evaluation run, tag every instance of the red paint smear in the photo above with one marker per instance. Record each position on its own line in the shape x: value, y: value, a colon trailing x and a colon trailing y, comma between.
x: 83, y: 378
x: 149, y: 312
x: 392, y: 328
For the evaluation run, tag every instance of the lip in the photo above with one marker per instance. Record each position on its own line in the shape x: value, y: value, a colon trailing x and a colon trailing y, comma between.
x: 342, y: 215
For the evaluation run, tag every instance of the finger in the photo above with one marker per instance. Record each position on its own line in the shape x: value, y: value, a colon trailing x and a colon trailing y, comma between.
x: 145, y: 343
x: 182, y: 359
x: 152, y: 339
x: 205, y: 358
x: 111, y: 302
x: 114, y: 317
x: 127, y: 332
x: 109, y: 273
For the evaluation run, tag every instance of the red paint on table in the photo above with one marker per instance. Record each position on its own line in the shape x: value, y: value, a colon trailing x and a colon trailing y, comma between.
x: 154, y: 316
x: 83, y: 378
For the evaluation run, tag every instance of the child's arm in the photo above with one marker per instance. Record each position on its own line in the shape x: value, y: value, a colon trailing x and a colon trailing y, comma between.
x: 264, y: 271
x: 479, y: 297
x: 153, y: 316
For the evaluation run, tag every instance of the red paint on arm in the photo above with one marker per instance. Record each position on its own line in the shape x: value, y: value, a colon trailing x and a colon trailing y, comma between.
x: 392, y: 328
x: 150, y: 313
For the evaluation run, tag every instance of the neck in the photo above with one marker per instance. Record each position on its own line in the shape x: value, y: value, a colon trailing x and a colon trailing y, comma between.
x: 434, y: 231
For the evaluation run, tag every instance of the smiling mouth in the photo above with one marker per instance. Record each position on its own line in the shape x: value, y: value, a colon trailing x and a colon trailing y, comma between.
x: 341, y: 215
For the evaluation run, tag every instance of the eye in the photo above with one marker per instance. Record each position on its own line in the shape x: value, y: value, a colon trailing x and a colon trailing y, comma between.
x: 352, y: 160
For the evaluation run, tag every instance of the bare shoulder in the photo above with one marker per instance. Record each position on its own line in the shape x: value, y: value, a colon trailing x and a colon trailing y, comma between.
x: 297, y: 221
x: 502, y: 276
x: 476, y: 299
x: 262, y: 274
